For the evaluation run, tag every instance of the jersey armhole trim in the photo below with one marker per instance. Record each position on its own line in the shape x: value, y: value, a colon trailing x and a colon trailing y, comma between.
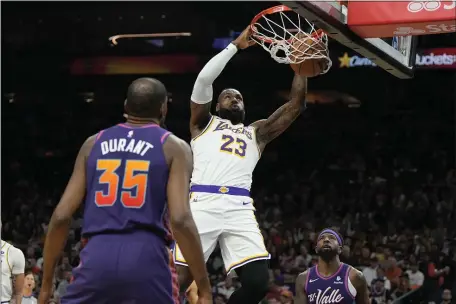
x: 165, y: 136
x: 307, y: 280
x: 7, y: 261
x: 348, y: 284
x: 209, y: 124
x: 99, y: 135
x: 256, y: 141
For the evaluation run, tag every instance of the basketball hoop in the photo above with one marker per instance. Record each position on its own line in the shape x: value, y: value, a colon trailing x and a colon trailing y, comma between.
x: 280, y: 31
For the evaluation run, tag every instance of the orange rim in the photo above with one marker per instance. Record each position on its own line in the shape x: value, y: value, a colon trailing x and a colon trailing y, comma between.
x: 272, y: 10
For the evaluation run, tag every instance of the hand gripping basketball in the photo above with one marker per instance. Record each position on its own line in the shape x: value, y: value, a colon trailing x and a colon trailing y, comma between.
x: 302, y: 44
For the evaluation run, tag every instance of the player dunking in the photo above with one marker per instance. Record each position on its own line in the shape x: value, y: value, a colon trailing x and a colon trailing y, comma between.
x: 225, y: 153
x: 131, y: 175
x: 331, y: 281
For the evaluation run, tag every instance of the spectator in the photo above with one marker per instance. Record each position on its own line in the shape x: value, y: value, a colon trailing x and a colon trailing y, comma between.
x: 379, y: 254
x: 446, y: 296
x: 450, y: 275
x: 346, y: 256
x: 381, y: 276
x: 401, y: 290
x: 303, y: 260
x: 415, y: 276
x: 365, y: 258
x: 29, y: 287
x: 370, y: 272
x: 288, y: 259
x: 433, y: 277
x: 379, y: 294
x: 393, y: 272
x: 62, y: 287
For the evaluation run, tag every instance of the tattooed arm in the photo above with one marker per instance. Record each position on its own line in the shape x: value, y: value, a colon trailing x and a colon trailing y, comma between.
x: 301, y: 296
x: 359, y: 282
x: 281, y: 119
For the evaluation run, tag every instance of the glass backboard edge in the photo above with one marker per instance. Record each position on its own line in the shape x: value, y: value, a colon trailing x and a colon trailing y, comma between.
x: 336, y: 29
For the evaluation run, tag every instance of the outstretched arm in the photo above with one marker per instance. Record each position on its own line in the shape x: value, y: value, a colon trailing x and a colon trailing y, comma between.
x: 202, y: 93
x: 281, y: 119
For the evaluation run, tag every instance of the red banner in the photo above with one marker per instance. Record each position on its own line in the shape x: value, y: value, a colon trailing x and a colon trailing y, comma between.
x: 401, y: 18
x: 163, y: 64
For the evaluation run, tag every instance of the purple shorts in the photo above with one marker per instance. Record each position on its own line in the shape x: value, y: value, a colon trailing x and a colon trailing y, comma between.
x: 132, y: 268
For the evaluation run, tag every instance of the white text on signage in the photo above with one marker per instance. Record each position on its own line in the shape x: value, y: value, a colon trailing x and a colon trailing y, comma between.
x: 430, y: 28
x: 429, y: 6
x: 432, y: 59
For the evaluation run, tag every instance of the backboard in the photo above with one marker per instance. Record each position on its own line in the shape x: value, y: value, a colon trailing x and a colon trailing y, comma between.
x: 396, y: 55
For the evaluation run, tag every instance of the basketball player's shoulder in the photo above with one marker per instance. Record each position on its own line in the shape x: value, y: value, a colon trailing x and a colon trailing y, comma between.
x: 213, y: 121
x: 176, y: 147
x: 16, y: 260
x: 301, y: 279
x: 15, y: 252
x: 5, y: 246
x: 175, y: 142
x: 89, y: 143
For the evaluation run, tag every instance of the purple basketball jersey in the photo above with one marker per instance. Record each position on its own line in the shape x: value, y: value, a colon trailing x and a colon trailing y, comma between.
x: 127, y: 175
x: 329, y: 290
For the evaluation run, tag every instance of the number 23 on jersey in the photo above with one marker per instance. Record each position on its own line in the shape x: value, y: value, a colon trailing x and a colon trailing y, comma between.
x: 135, y: 176
x: 232, y: 145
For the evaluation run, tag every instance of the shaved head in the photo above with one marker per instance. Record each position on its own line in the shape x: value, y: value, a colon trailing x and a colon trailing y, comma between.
x: 145, y: 98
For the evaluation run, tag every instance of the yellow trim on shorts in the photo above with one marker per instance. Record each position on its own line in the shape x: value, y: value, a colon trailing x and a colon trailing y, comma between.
x: 261, y: 256
x: 205, y: 129
x: 176, y: 259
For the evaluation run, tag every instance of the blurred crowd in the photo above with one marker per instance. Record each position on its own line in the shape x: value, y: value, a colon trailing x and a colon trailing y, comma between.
x: 386, y: 183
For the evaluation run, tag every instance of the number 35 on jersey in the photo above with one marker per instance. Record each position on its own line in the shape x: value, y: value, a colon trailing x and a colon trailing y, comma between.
x: 132, y: 183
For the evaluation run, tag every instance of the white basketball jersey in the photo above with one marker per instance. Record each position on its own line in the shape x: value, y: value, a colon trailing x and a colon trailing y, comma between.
x: 224, y: 154
x: 7, y: 277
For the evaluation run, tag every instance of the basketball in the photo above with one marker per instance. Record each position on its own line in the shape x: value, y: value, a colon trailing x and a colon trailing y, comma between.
x: 309, y: 67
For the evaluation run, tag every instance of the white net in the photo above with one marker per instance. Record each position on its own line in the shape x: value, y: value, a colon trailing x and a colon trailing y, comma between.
x: 290, y: 38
